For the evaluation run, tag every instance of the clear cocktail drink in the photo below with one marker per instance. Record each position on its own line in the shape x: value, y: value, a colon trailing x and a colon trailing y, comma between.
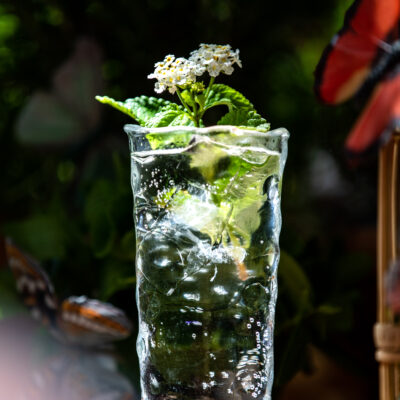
x: 207, y: 217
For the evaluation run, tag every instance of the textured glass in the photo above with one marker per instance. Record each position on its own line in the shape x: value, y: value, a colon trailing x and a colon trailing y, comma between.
x: 207, y: 217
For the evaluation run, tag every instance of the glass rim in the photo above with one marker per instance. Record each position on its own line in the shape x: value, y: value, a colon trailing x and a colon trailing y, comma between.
x: 282, y: 133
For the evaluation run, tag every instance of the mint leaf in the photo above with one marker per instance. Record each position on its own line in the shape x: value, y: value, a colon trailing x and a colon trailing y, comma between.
x: 170, y: 115
x: 245, y: 118
x: 242, y: 186
x: 234, y: 180
x: 142, y: 108
x: 208, y: 219
x: 168, y: 140
x: 225, y: 95
x: 206, y: 161
x: 241, y: 111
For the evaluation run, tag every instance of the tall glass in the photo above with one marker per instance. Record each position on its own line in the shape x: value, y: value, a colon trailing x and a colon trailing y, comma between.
x: 207, y: 217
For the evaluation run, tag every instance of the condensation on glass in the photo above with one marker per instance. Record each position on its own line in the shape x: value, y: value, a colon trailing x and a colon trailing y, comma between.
x: 207, y: 217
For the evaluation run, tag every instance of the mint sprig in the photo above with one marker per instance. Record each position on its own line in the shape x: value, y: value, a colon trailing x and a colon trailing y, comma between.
x: 180, y: 76
x: 154, y: 112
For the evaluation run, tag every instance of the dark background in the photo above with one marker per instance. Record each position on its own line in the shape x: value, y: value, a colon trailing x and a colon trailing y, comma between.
x: 65, y: 189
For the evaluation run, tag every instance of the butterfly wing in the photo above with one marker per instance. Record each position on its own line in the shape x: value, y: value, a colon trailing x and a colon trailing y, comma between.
x: 348, y: 59
x: 33, y: 284
x: 381, y: 114
x: 91, y: 322
x: 78, y: 320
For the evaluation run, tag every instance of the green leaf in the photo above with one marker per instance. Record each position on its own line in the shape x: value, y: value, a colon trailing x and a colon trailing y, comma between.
x: 206, y: 161
x: 295, y: 282
x: 103, y: 234
x: 116, y: 276
x: 224, y: 95
x: 142, y: 108
x: 245, y: 118
x: 208, y: 219
x: 126, y: 249
x: 98, y: 214
x: 170, y: 115
x: 236, y: 187
x: 242, y: 187
x: 169, y: 140
x: 200, y: 99
x: 44, y: 236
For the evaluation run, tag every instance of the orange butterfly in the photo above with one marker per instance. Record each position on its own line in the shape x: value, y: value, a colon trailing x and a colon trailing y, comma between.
x: 76, y: 320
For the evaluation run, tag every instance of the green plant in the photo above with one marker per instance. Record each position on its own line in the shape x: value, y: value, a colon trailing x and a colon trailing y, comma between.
x: 179, y: 75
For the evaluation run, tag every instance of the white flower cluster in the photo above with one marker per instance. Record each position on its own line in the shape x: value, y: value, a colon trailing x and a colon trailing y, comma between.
x: 178, y: 72
x: 173, y: 72
x: 216, y: 58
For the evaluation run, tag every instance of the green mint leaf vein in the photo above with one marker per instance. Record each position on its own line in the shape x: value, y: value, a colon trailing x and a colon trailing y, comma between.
x: 245, y: 118
x: 225, y: 95
x: 170, y: 115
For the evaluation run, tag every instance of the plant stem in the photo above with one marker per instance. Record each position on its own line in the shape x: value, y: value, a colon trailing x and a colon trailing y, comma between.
x: 201, y: 112
x: 196, y: 114
x: 188, y: 109
x: 212, y: 79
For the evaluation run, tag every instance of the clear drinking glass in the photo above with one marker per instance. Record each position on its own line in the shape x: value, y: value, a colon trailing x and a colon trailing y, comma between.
x: 207, y: 217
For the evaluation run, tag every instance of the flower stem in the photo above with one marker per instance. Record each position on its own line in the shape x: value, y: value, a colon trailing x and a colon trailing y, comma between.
x: 188, y: 109
x: 195, y: 112
x: 212, y: 79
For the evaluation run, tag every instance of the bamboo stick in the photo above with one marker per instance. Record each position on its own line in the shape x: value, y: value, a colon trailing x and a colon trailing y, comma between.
x: 394, y: 196
x: 393, y: 199
x: 382, y: 230
x: 383, y: 233
x: 382, y: 387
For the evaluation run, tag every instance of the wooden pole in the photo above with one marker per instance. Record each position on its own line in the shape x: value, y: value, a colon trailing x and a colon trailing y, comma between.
x: 393, y: 234
x: 382, y: 234
x: 387, y: 335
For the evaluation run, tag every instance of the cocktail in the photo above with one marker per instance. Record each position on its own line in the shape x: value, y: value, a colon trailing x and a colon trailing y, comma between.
x: 207, y: 218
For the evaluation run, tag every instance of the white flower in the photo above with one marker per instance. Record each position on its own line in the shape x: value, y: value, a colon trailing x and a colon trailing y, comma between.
x: 215, y: 58
x: 172, y: 73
